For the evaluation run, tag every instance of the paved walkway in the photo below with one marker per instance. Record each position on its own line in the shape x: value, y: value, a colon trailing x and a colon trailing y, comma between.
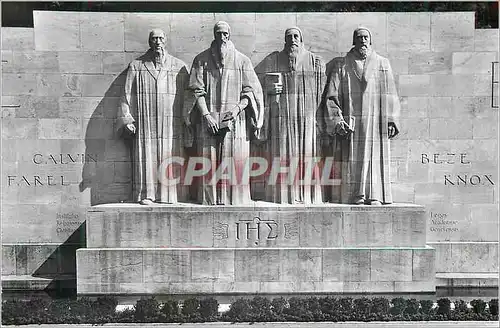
x: 394, y: 324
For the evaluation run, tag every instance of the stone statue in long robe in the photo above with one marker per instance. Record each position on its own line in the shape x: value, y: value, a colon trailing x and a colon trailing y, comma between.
x: 359, y: 115
x: 222, y: 80
x: 150, y: 113
x: 293, y: 80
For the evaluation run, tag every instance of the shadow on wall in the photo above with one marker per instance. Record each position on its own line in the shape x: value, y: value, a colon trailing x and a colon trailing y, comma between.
x: 109, y: 178
x: 60, y: 266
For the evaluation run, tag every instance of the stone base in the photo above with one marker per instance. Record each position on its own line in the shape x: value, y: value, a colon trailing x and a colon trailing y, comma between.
x: 265, y: 249
x: 262, y: 270
x: 258, y: 225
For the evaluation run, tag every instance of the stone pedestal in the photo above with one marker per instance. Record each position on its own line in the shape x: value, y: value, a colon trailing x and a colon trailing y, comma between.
x: 264, y: 248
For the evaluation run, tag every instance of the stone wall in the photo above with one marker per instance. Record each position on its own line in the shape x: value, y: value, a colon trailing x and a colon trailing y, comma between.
x: 60, y: 86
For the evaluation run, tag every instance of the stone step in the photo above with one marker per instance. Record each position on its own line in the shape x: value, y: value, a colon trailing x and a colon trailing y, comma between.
x: 230, y: 271
x: 259, y: 225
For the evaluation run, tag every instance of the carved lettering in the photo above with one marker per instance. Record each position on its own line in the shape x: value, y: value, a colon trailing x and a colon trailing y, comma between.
x: 26, y: 180
x: 256, y: 229
x: 67, y: 223
x: 463, y: 179
x: 90, y: 158
x: 35, y: 157
x: 53, y: 159
x: 291, y: 230
x: 436, y: 161
x: 477, y: 179
x: 462, y: 159
x: 62, y: 181
x: 63, y: 159
x: 70, y: 158
x: 49, y: 180
x: 36, y: 181
x: 472, y: 180
x: 271, y: 229
x: 487, y: 176
x: 220, y: 231
x: 448, y: 158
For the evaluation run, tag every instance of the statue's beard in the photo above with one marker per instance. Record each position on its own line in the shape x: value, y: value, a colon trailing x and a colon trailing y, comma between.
x: 364, y: 51
x: 293, y: 51
x: 159, y: 55
x: 222, y: 51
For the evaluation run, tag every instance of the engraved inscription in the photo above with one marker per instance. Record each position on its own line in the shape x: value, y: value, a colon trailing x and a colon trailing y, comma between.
x: 220, y: 230
x: 291, y: 230
x: 441, y: 223
x: 460, y: 179
x: 256, y: 229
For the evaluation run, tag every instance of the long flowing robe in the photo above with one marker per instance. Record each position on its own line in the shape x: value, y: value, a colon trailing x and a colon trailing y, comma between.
x: 152, y: 99
x: 223, y: 86
x: 291, y: 127
x: 370, y: 98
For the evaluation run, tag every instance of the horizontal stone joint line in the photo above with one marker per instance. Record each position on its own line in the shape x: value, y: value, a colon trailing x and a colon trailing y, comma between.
x: 120, y: 266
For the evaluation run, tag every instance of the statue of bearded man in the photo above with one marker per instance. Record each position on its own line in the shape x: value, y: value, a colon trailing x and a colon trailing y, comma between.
x: 359, y: 114
x: 223, y: 84
x: 293, y: 81
x: 150, y: 114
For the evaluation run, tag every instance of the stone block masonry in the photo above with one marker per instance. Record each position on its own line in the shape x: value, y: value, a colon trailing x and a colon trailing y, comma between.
x: 62, y: 79
x: 264, y: 248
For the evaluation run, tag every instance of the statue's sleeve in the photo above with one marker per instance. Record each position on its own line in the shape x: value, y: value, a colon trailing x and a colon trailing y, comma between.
x: 195, y: 89
x: 390, y: 96
x: 320, y: 77
x: 252, y: 89
x: 267, y: 65
x: 331, y: 108
x: 126, y: 109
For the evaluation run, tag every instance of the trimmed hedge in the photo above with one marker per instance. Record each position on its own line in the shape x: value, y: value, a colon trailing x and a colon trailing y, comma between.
x: 257, y: 309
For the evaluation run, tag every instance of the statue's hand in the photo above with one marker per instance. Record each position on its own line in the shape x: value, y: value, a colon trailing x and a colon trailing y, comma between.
x: 392, y: 130
x: 235, y: 112
x: 130, y: 128
x: 343, y: 129
x: 211, y: 124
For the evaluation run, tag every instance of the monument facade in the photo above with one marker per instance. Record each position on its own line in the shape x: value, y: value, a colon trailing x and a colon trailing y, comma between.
x: 63, y: 83
x: 263, y: 248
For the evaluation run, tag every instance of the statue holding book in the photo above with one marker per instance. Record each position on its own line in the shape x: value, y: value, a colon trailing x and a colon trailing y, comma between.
x: 222, y: 112
x: 293, y: 80
x: 358, y: 116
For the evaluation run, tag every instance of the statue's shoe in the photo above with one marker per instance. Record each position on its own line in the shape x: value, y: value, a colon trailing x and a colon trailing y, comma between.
x: 375, y: 202
x: 146, y: 201
x: 359, y: 201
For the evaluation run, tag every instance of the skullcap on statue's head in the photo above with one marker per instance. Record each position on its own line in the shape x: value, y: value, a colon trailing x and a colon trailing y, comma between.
x: 295, y: 28
x: 156, y: 31
x: 361, y: 28
x: 220, y: 24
